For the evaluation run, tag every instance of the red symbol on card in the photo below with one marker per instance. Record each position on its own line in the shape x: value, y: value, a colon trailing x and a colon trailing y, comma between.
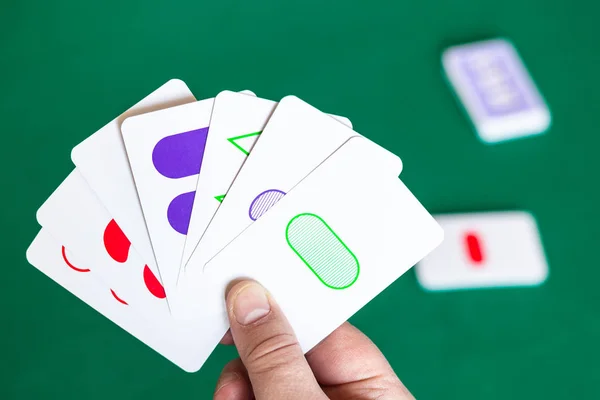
x: 118, y: 298
x: 117, y: 245
x: 64, y: 255
x: 153, y: 284
x: 474, y: 248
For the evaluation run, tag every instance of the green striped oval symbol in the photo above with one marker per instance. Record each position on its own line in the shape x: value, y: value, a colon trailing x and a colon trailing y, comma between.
x: 322, y: 250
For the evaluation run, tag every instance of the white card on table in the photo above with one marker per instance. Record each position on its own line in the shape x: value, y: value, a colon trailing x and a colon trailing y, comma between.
x: 186, y: 345
x: 297, y: 138
x: 492, y: 249
x: 340, y: 237
x: 102, y: 160
x: 237, y: 121
x: 165, y: 150
x: 76, y: 218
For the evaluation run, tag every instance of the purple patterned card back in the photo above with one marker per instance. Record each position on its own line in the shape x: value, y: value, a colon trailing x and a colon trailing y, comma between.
x: 497, y: 77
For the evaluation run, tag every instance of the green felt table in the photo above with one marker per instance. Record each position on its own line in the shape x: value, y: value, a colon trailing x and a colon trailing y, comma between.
x: 68, y: 67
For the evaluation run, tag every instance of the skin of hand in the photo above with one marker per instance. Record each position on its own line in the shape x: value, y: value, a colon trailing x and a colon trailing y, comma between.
x: 345, y: 365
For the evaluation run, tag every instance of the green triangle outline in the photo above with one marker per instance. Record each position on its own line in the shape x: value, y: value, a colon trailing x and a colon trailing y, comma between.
x: 233, y: 139
x: 220, y: 198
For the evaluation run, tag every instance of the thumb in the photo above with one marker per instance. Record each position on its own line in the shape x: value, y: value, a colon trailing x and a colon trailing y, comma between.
x: 268, y: 346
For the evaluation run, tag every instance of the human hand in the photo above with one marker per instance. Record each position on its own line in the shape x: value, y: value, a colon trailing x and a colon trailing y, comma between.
x: 345, y: 365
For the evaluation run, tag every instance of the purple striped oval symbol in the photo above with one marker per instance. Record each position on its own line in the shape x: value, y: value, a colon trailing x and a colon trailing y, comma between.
x: 263, y: 202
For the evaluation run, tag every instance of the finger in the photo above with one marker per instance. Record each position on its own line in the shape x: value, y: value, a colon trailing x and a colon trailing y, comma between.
x: 348, y: 348
x: 233, y: 384
x: 227, y: 339
x: 347, y: 361
x: 268, y: 346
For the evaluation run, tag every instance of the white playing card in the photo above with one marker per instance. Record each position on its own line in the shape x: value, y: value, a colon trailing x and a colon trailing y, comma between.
x: 491, y: 249
x: 235, y: 125
x: 297, y: 138
x: 165, y: 150
x: 102, y: 160
x: 76, y: 218
x: 186, y: 345
x: 341, y: 236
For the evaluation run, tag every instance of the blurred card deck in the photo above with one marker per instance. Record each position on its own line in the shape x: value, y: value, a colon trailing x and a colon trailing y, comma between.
x: 496, y: 90
x: 482, y: 250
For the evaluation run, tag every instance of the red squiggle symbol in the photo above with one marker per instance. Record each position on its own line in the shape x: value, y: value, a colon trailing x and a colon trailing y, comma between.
x: 118, y: 298
x: 64, y: 255
x: 117, y: 245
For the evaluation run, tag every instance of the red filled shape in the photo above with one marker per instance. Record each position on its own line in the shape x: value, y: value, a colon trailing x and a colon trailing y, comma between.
x: 64, y: 255
x: 118, y: 298
x: 474, y: 248
x: 153, y: 284
x: 116, y: 243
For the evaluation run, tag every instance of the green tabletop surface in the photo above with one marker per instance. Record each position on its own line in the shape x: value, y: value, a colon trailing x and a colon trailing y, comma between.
x: 68, y: 67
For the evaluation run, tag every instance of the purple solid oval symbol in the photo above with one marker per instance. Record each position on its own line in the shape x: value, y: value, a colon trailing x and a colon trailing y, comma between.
x: 263, y: 202
x: 180, y: 212
x: 180, y: 155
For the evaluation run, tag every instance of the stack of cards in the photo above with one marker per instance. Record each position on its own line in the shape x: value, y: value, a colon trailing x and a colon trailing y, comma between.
x: 496, y: 90
x: 485, y: 250
x: 493, y: 249
x: 176, y: 197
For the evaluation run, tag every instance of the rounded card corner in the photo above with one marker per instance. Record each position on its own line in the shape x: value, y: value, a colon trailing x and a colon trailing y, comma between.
x: 226, y: 93
x: 74, y: 152
x: 289, y: 98
x: 125, y: 124
x: 178, y: 82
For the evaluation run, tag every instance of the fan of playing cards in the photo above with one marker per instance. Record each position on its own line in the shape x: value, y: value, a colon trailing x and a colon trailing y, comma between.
x: 176, y: 197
